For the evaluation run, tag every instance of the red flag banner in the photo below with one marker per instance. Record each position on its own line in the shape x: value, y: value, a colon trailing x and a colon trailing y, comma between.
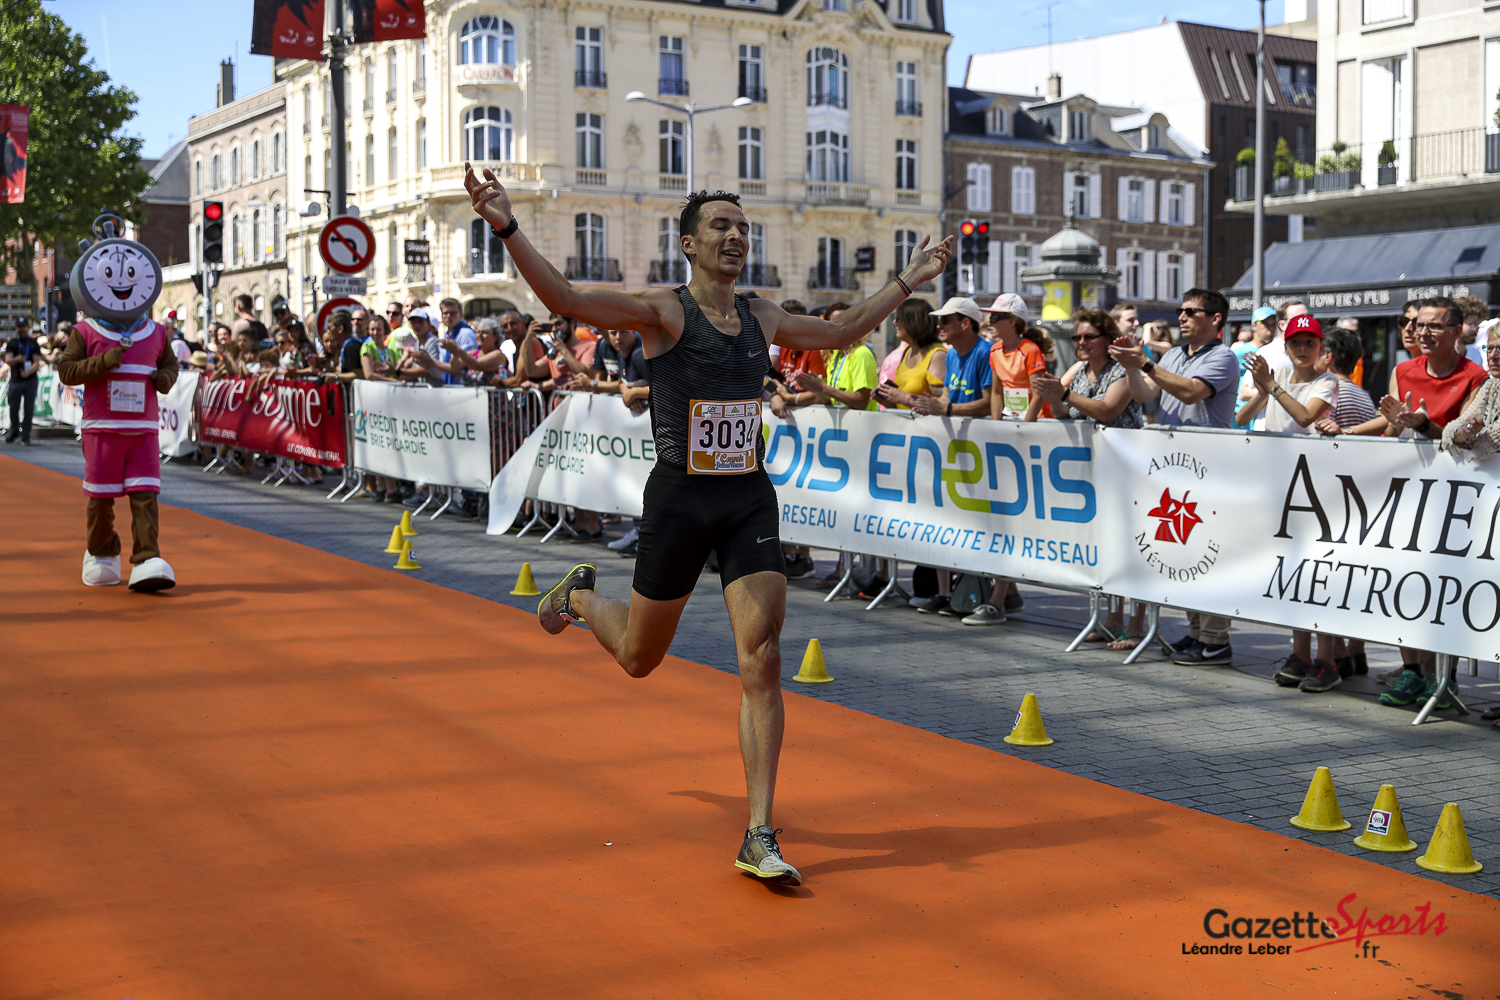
x: 387, y: 20
x: 15, y: 120
x: 287, y: 29
x: 291, y: 418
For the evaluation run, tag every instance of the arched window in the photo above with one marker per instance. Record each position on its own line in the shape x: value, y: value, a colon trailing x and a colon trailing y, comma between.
x: 489, y: 134
x: 827, y: 77
x: 487, y: 40
x: 257, y: 236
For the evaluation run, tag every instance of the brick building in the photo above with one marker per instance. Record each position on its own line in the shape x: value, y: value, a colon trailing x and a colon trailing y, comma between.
x: 1024, y: 163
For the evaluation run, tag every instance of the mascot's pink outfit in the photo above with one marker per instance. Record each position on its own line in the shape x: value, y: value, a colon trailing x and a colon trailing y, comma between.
x: 121, y: 443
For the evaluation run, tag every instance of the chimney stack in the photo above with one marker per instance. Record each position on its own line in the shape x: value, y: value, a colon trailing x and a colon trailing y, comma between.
x: 1054, y: 86
x: 226, y: 82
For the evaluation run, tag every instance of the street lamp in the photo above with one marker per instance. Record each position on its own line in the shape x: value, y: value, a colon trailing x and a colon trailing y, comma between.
x: 690, y: 110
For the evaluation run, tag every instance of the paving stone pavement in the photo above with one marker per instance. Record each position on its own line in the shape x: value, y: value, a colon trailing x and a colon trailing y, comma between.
x: 1224, y: 740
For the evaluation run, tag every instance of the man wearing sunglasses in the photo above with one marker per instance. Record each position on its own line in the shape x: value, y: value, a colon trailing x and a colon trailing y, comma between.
x: 1196, y: 381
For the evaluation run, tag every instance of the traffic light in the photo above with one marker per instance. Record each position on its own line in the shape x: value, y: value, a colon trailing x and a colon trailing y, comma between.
x: 982, y: 243
x: 967, y: 241
x: 213, y: 232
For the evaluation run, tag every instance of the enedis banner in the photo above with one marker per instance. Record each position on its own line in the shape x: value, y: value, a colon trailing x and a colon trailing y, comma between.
x: 429, y: 436
x: 297, y: 420
x: 1385, y: 540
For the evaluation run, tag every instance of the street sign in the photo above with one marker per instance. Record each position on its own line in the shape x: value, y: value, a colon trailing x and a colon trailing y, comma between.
x: 418, y: 252
x: 864, y: 259
x: 344, y: 284
x: 347, y: 244
x: 332, y: 306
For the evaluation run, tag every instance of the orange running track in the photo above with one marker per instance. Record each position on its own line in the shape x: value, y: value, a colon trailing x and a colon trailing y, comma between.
x: 295, y: 776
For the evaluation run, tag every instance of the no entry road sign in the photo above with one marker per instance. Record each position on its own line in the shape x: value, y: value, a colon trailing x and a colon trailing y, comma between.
x: 346, y: 244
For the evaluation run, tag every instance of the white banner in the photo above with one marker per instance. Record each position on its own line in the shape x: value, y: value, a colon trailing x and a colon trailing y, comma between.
x: 438, y: 437
x: 67, y: 403
x: 1389, y: 541
x: 175, y: 413
x: 1370, y: 538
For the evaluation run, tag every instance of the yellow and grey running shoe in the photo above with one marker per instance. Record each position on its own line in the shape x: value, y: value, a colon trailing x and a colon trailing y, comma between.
x: 761, y: 856
x: 555, y: 612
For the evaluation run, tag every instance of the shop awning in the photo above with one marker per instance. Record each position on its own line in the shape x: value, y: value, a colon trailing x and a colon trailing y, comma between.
x: 1376, y: 275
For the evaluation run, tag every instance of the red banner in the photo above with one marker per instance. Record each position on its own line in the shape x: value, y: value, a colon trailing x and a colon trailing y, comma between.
x: 288, y: 29
x: 15, y: 122
x: 294, y: 419
x: 387, y: 20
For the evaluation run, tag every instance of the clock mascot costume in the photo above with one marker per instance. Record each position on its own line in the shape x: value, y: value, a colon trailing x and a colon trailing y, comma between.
x: 123, y: 358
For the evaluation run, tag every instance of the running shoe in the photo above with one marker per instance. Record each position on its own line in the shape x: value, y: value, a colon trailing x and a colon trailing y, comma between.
x: 761, y: 856
x: 1405, y: 689
x: 1346, y: 666
x: 1186, y: 642
x: 1202, y: 653
x: 625, y: 541
x: 1292, y: 672
x: 800, y: 567
x: 1014, y: 603
x: 1431, y: 689
x: 1322, y: 677
x: 555, y: 612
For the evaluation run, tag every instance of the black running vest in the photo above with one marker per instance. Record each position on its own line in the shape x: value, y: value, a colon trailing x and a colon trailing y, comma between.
x: 705, y: 364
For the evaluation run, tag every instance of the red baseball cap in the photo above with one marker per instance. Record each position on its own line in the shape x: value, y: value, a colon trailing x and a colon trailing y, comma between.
x: 1303, y: 324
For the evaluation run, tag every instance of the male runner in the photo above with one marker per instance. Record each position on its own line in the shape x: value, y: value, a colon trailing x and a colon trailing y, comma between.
x: 707, y: 349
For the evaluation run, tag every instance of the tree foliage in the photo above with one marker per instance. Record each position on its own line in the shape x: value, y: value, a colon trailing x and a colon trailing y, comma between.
x: 79, y: 162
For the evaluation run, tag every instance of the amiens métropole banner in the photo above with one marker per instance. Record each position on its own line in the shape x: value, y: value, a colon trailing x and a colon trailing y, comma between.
x: 1391, y: 541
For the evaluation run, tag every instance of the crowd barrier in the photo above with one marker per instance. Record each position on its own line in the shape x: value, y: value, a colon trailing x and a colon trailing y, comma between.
x: 1387, y: 540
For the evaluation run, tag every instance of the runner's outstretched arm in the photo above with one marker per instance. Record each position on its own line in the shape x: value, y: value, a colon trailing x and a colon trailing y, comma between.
x: 809, y: 333
x: 604, y: 307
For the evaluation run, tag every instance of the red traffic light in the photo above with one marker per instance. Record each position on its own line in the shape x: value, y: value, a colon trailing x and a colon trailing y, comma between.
x: 213, y: 210
x: 966, y: 227
x: 984, y: 229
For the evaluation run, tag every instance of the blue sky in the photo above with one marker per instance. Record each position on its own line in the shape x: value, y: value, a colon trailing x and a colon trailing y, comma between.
x: 168, y: 51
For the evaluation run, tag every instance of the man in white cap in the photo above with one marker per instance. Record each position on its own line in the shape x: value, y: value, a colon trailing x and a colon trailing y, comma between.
x: 966, y: 393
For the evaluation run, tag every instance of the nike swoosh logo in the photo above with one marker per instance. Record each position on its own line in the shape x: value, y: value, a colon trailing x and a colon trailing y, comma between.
x: 759, y: 541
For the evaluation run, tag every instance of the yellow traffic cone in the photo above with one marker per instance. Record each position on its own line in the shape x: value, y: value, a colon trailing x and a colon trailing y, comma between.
x: 1386, y: 830
x: 525, y: 583
x: 1320, y: 808
x: 1448, y: 850
x: 408, y: 557
x: 814, y: 670
x: 1028, y: 730
x: 394, y: 545
x: 406, y: 528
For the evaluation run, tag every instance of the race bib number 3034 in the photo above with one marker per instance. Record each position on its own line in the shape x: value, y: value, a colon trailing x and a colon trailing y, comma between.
x: 722, y: 436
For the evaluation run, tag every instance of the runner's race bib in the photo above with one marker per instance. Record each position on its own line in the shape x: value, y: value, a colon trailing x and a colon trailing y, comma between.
x: 722, y: 437
x: 127, y: 397
x: 1017, y: 401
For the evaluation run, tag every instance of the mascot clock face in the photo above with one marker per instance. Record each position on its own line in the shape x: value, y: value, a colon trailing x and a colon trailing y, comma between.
x: 119, y: 280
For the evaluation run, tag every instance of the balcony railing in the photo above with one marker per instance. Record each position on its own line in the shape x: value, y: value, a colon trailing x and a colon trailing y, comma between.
x: 760, y: 276
x: 909, y: 109
x: 753, y: 189
x: 584, y: 177
x: 390, y: 96
x: 673, y: 182
x: 391, y: 270
x: 325, y: 121
x: 369, y: 105
x: 672, y: 86
x: 419, y: 86
x: 417, y: 274
x: 822, y: 193
x: 593, y: 269
x: 668, y: 272
x: 908, y: 198
x: 307, y: 128
x: 1300, y: 95
x: 478, y: 264
x: 843, y: 278
x: 925, y: 286
x: 828, y: 100
x: 756, y: 94
x: 1430, y: 156
x: 591, y: 78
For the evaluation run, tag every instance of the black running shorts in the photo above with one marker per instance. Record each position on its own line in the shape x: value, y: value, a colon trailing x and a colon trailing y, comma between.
x: 687, y: 517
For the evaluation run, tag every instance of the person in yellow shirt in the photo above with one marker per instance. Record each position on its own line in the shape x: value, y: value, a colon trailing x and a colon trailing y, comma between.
x: 921, y: 365
x: 852, y: 375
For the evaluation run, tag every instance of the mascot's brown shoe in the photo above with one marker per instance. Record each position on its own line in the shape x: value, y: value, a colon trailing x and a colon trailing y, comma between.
x: 555, y: 612
x: 153, y: 574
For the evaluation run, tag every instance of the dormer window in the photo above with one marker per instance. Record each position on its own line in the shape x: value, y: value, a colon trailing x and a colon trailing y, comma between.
x: 1151, y: 136
x: 1078, y: 126
x: 995, y: 121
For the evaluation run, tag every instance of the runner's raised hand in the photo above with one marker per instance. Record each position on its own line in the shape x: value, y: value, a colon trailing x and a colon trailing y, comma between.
x: 488, y: 196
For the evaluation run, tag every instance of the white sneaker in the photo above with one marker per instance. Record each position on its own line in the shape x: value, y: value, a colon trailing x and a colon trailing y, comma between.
x: 100, y: 571
x: 153, y: 574
x: 628, y: 539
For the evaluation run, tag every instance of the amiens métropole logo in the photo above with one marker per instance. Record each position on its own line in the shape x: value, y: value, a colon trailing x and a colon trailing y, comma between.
x: 1231, y: 934
x: 1175, y: 537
